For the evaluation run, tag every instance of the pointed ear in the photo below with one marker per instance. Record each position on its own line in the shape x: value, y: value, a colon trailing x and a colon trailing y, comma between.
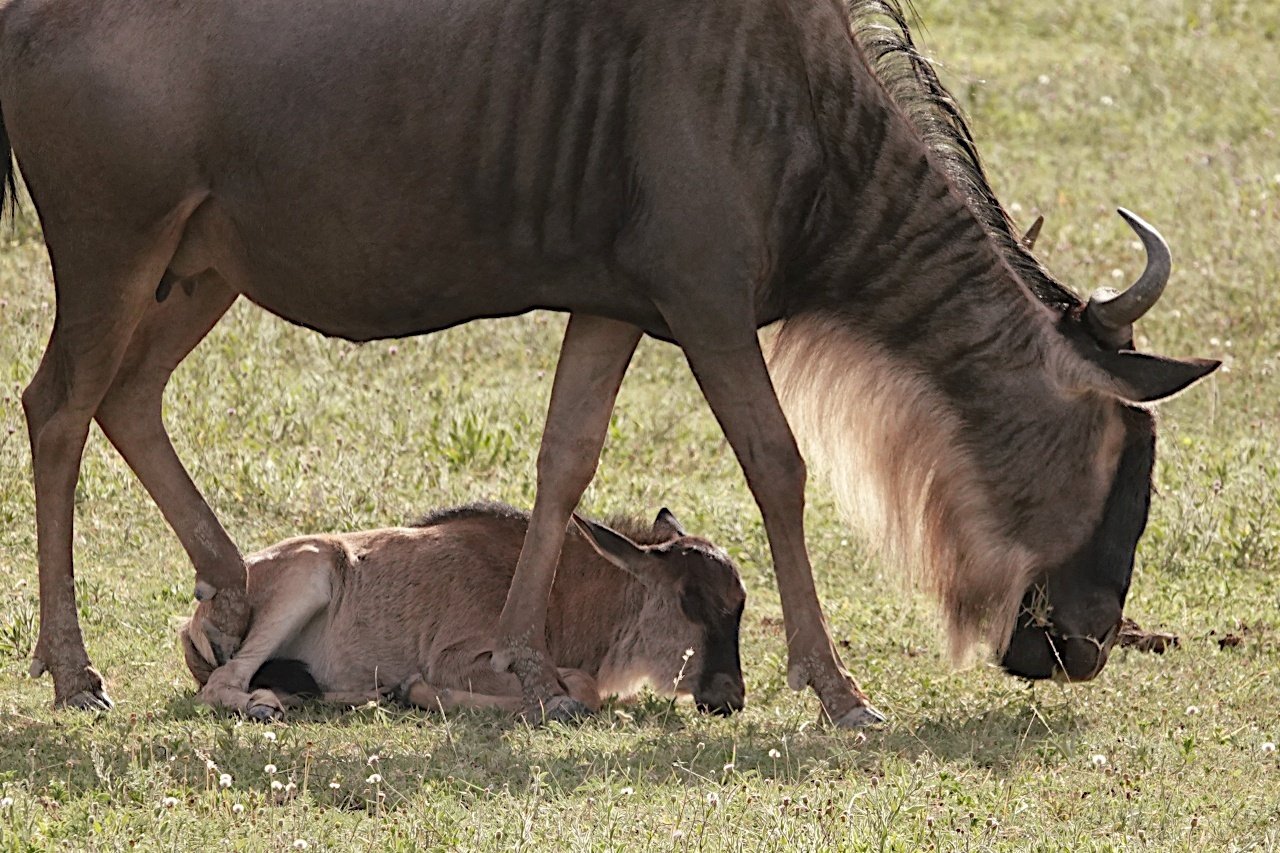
x: 614, y: 547
x: 1143, y: 378
x: 667, y: 526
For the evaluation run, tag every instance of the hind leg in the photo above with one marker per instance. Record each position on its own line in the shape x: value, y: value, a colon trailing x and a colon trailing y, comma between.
x: 130, y: 416
x: 104, y: 279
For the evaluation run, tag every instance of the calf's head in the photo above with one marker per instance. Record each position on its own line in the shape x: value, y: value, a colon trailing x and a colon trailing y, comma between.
x: 693, y: 600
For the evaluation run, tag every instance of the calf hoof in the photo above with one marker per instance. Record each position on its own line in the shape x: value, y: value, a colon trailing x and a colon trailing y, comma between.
x: 264, y: 706
x: 860, y: 717
x: 556, y: 709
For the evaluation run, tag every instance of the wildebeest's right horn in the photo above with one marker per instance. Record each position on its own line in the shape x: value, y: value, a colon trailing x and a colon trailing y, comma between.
x: 1111, y: 315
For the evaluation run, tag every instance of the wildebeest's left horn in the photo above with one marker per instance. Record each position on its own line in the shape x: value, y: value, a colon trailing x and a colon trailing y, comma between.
x: 1111, y: 315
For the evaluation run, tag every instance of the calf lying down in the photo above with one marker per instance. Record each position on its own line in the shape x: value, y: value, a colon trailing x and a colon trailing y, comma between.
x: 412, y: 611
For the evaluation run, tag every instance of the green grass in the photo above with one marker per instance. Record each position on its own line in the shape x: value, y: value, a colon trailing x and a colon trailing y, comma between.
x: 1169, y: 107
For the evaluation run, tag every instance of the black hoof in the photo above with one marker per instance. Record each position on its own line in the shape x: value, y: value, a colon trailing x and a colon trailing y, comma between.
x: 93, y: 699
x: 864, y: 716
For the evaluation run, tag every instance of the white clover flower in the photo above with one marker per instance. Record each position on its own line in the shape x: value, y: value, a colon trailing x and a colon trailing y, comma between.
x: 1043, y: 80
x: 169, y: 802
x: 713, y: 799
x: 6, y: 802
x: 334, y: 785
x: 1099, y: 760
x: 728, y: 768
x: 300, y: 844
x: 209, y: 765
x: 1107, y: 101
x: 271, y: 736
x: 1267, y: 749
x: 290, y: 787
x: 374, y: 779
x: 270, y: 770
x: 627, y: 791
x: 372, y: 760
x: 224, y: 781
x: 237, y: 809
x: 773, y: 753
x: 1192, y: 710
x: 277, y: 785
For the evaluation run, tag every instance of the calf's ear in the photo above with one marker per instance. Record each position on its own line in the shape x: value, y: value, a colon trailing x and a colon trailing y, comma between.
x: 667, y: 526
x: 200, y: 668
x: 614, y: 547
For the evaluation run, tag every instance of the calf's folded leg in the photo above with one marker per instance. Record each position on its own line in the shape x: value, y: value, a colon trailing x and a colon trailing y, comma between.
x: 301, y: 587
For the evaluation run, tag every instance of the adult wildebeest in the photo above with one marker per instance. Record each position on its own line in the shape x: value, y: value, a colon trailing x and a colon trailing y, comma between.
x: 693, y: 171
x: 415, y: 609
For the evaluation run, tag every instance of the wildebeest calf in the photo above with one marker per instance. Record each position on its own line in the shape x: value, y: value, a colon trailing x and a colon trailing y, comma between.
x: 414, y: 611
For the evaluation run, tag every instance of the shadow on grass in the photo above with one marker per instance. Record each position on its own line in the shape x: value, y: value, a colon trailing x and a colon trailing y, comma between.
x: 472, y: 755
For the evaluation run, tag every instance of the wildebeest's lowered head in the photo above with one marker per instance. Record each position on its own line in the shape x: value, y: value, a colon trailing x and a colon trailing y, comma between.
x: 996, y: 440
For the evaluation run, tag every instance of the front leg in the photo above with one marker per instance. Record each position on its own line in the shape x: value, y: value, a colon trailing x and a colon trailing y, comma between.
x: 593, y: 359
x: 736, y: 383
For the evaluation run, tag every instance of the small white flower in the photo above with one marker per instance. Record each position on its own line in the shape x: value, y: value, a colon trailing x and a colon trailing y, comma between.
x: 169, y: 802
x: 271, y: 736
x: 6, y: 802
x: 1043, y: 80
x: 1099, y: 760
x: 773, y: 753
x: 1107, y: 101
x: 224, y: 781
x: 713, y: 799
x: 334, y: 786
x: 270, y: 770
x: 1192, y: 710
x: 374, y: 779
x: 728, y: 768
x: 300, y: 844
x: 209, y: 765
x: 1267, y: 749
x: 372, y: 760
x: 688, y: 653
x: 627, y: 791
x: 237, y: 809
x: 289, y: 787
x: 277, y: 785
x: 1117, y: 273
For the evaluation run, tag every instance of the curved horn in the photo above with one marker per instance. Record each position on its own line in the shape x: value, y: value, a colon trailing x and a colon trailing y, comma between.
x: 1110, y: 314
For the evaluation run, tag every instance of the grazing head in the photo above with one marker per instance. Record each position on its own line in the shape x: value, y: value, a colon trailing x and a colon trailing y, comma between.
x: 1069, y: 616
x: 693, y: 600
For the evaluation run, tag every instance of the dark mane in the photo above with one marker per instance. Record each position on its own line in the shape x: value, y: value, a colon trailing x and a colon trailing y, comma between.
x: 636, y: 529
x: 881, y: 31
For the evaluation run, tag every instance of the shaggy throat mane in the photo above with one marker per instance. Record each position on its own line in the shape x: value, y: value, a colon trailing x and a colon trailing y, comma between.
x: 891, y: 447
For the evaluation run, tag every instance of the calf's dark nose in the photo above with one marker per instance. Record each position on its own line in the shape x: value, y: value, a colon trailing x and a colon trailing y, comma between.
x: 723, y: 695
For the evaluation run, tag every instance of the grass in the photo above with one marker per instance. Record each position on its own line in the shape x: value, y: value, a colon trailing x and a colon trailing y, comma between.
x: 1165, y: 106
